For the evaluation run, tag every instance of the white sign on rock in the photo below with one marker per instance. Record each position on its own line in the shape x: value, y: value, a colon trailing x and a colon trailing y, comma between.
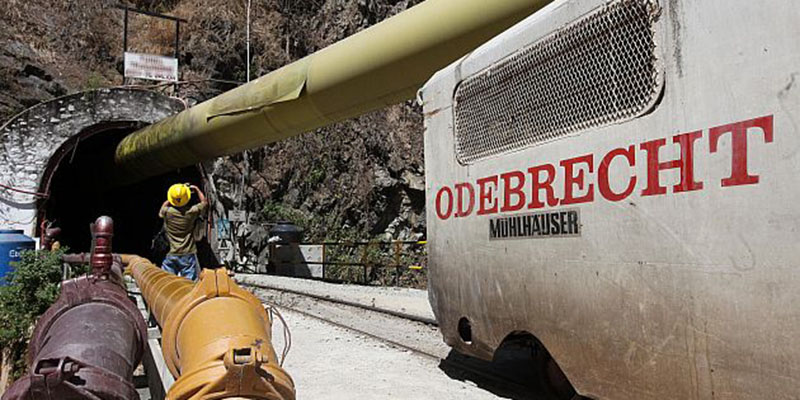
x: 152, y: 67
x: 237, y: 215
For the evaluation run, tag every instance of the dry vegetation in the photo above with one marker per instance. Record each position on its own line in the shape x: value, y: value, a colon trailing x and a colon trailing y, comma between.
x: 70, y: 38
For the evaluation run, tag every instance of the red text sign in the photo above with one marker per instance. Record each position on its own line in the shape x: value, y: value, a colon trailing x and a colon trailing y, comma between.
x: 534, y: 189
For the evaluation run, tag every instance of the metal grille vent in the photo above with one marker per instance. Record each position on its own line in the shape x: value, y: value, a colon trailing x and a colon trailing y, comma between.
x: 600, y: 70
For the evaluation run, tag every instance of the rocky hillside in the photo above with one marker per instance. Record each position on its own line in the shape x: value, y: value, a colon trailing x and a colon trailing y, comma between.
x: 359, y: 179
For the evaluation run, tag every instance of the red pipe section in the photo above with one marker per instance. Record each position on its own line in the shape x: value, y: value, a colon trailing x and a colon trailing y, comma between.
x: 88, y: 343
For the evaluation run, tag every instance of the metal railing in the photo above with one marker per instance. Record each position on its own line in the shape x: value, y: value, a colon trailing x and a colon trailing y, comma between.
x: 370, y: 262
x: 386, y: 263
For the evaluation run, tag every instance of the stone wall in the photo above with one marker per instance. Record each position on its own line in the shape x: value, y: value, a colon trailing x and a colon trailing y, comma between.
x: 29, y: 140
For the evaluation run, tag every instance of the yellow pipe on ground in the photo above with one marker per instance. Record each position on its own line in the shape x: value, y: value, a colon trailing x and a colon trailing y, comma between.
x: 216, y: 337
x: 125, y: 258
x: 379, y: 66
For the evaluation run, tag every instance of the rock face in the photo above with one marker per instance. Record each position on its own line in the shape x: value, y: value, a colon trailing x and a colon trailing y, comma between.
x: 360, y: 179
x: 49, y: 49
x: 24, y: 81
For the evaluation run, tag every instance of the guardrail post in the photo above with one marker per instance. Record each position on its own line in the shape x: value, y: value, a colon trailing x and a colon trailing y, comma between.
x: 397, y: 247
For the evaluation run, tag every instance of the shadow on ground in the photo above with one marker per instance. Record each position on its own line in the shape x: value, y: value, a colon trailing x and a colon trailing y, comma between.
x: 511, y: 375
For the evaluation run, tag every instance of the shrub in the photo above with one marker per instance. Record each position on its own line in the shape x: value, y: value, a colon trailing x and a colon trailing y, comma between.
x: 32, y: 287
x: 275, y: 212
x: 94, y: 81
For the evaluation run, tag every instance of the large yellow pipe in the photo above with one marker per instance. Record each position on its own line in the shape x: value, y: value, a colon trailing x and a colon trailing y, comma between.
x: 379, y: 66
x: 216, y: 336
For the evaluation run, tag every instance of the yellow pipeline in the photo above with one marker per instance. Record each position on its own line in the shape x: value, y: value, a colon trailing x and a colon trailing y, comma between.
x: 379, y: 66
x: 215, y: 335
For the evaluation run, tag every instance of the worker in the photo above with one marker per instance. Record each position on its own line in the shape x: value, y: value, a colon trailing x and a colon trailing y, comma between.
x: 179, y: 223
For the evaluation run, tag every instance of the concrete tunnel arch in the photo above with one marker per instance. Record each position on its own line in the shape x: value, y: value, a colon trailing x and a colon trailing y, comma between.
x: 57, y: 151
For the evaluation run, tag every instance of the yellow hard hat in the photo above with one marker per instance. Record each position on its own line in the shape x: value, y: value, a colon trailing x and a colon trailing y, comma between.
x: 179, y: 194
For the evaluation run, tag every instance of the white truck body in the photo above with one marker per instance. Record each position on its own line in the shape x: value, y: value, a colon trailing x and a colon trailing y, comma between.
x: 652, y: 247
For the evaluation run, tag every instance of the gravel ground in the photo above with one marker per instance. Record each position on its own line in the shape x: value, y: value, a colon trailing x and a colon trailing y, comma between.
x: 327, y: 362
x: 416, y: 335
x: 343, y: 363
x: 410, y: 301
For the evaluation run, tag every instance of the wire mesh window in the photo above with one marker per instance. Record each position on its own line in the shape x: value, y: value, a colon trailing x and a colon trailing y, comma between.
x: 597, y: 71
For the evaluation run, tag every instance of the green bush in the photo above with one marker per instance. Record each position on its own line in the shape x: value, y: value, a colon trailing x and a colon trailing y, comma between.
x: 94, y: 81
x: 274, y: 212
x: 33, y: 285
x: 316, y: 176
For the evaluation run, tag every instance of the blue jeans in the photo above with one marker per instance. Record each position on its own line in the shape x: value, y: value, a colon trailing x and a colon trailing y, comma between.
x: 184, y: 265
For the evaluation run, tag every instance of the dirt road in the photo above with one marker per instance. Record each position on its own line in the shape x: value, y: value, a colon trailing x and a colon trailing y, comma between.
x: 328, y: 362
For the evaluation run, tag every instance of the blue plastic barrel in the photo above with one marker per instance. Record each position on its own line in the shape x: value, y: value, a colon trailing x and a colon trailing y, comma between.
x: 12, y: 243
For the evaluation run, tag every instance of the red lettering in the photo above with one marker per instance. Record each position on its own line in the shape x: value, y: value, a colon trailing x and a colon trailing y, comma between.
x: 538, y: 185
x: 738, y: 131
x: 602, y: 174
x: 510, y: 190
x: 486, y: 195
x: 460, y: 211
x: 459, y: 201
x: 685, y: 163
x: 439, y: 213
x: 571, y: 179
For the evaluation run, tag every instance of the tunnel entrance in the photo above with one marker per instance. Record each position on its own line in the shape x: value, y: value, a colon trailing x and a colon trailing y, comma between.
x: 81, y: 188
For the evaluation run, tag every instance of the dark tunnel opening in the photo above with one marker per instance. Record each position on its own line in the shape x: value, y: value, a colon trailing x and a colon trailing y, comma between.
x: 80, y: 191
